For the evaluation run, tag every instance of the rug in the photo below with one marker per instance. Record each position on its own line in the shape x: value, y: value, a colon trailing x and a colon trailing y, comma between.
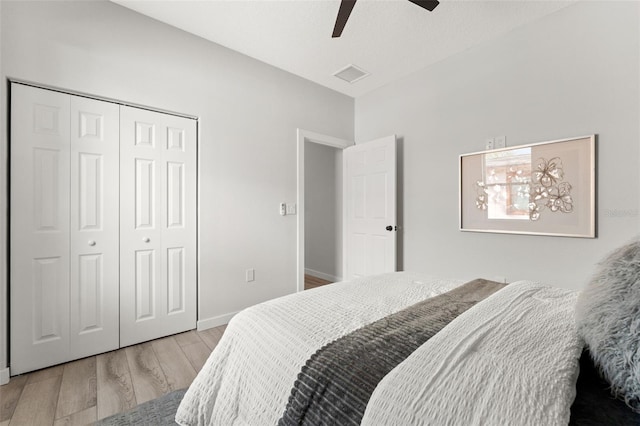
x: 157, y: 412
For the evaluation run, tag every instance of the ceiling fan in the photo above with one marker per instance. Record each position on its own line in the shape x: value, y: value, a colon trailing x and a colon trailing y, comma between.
x: 346, y: 6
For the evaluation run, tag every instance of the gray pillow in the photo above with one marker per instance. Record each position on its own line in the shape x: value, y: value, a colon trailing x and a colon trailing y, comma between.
x: 608, y: 319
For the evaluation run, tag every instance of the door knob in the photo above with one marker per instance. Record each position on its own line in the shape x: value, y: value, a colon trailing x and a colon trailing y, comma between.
x: 146, y: 239
x: 389, y: 228
x: 92, y: 243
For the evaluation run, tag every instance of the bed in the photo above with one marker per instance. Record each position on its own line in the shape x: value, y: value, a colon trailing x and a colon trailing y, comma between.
x: 479, y: 352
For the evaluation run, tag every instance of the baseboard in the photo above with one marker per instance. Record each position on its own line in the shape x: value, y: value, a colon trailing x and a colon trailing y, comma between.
x: 4, y: 376
x: 206, y: 323
x: 322, y: 275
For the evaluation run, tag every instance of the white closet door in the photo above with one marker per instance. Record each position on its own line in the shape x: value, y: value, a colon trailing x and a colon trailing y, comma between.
x: 94, y: 292
x: 39, y: 251
x: 157, y: 225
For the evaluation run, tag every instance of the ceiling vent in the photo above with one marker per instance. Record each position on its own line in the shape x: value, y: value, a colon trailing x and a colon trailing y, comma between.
x: 351, y: 74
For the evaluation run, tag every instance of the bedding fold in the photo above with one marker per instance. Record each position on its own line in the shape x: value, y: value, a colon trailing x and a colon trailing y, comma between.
x: 335, y: 384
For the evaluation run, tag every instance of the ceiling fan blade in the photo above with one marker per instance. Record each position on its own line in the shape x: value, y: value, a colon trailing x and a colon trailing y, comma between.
x: 426, y: 4
x: 346, y: 6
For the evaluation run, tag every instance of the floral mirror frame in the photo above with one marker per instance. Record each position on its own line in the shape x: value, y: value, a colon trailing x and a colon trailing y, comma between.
x: 545, y: 188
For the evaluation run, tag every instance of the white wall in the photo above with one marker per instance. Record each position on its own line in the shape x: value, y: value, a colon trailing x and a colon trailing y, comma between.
x: 248, y: 111
x: 573, y: 73
x: 323, y: 211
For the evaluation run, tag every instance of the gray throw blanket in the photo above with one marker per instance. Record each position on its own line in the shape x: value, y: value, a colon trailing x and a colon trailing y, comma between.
x: 336, y: 383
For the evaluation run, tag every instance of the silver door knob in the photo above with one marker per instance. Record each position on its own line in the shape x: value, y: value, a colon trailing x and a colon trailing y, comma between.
x: 92, y: 243
x: 146, y: 239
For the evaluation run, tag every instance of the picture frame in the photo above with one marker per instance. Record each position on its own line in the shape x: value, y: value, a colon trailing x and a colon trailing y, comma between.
x: 544, y: 188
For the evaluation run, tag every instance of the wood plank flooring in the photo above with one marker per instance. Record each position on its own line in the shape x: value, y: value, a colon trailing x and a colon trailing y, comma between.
x: 312, y: 282
x: 83, y: 391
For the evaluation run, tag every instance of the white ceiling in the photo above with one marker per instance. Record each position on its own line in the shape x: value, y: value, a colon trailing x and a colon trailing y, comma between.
x: 387, y: 38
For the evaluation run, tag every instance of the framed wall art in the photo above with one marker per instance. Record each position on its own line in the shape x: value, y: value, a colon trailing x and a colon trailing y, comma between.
x: 545, y: 188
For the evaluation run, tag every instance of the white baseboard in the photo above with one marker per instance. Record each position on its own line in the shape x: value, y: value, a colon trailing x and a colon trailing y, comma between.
x: 322, y: 275
x: 206, y: 323
x: 4, y: 376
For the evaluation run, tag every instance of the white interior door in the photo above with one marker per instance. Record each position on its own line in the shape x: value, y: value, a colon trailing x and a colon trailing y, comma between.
x: 64, y: 230
x: 157, y: 225
x: 370, y: 203
x: 94, y: 292
x: 39, y: 248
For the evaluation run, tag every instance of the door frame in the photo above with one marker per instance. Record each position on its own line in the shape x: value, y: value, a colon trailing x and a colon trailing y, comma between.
x: 302, y: 137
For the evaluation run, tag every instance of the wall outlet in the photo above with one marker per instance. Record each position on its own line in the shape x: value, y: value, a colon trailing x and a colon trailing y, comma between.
x: 250, y: 275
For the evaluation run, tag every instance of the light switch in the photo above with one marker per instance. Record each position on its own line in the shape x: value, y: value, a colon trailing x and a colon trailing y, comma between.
x: 291, y: 208
x: 489, y: 144
x: 250, y: 275
x: 499, y: 142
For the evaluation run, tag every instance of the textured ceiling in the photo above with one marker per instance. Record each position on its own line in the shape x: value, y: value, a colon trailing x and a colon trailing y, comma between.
x: 387, y: 38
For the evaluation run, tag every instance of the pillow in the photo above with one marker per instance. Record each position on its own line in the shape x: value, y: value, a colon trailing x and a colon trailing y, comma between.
x: 608, y: 319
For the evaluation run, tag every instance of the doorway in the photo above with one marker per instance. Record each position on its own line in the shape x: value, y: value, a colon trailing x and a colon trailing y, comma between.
x: 323, y: 214
x: 320, y: 212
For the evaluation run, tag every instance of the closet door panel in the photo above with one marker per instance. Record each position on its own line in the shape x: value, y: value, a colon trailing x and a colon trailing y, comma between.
x: 94, y: 292
x: 145, y: 285
x: 176, y: 280
x: 140, y: 233
x: 39, y: 217
x: 158, y: 226
x: 179, y: 234
x: 145, y: 194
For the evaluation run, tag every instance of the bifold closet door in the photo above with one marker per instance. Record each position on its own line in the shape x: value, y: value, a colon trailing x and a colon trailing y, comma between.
x: 157, y: 225
x: 63, y: 241
x: 94, y: 278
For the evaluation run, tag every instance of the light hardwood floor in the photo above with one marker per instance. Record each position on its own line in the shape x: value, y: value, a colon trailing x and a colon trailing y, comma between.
x: 312, y: 282
x: 83, y: 391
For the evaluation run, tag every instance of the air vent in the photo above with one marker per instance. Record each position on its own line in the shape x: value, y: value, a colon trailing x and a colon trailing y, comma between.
x: 351, y: 74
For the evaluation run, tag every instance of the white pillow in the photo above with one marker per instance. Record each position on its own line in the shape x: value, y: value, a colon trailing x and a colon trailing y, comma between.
x: 608, y: 319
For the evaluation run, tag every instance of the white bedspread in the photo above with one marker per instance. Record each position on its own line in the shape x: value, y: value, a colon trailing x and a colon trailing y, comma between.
x: 513, y: 359
x: 510, y: 360
x: 248, y: 377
